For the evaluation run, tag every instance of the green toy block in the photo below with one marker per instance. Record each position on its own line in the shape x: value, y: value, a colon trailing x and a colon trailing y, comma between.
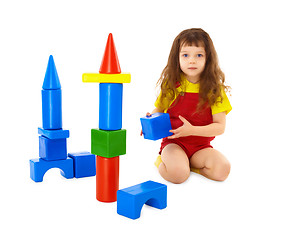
x: 108, y: 143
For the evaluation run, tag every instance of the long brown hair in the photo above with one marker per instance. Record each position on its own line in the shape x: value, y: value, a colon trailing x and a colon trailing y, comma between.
x: 212, y: 79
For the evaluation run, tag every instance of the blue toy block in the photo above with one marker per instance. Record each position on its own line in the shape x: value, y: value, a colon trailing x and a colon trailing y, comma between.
x: 38, y: 168
x: 54, y: 134
x: 110, y: 106
x: 52, y: 149
x: 131, y: 200
x: 51, y: 109
x: 51, y: 98
x: 84, y: 164
x: 51, y: 80
x: 156, y: 126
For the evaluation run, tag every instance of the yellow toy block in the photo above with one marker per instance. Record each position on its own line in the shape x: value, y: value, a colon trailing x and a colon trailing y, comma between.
x: 106, y: 78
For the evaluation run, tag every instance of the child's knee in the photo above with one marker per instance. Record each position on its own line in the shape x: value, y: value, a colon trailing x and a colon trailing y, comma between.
x: 179, y: 175
x: 222, y: 171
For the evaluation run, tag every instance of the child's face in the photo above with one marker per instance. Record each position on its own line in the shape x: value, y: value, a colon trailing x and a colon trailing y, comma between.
x: 192, y: 61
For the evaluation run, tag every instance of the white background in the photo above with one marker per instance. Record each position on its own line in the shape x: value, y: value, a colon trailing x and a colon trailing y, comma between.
x: 249, y: 39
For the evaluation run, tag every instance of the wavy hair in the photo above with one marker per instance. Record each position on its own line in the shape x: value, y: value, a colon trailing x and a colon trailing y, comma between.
x: 212, y: 79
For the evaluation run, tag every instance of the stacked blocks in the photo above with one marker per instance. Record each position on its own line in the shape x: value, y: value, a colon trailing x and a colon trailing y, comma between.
x: 131, y: 200
x: 156, y: 126
x: 109, y: 141
x: 52, y: 139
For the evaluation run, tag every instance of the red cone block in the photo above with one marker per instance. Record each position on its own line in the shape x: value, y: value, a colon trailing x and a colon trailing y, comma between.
x: 110, y: 63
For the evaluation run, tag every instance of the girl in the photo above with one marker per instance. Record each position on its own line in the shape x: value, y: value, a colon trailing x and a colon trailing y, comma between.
x: 193, y: 93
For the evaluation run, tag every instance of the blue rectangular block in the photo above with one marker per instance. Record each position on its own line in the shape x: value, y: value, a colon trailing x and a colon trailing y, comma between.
x: 156, y: 126
x: 54, y: 134
x: 84, y: 164
x: 130, y: 200
x: 110, y: 106
x: 52, y: 149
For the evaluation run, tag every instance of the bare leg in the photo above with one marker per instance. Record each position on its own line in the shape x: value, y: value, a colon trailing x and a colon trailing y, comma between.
x: 211, y: 163
x: 175, y: 164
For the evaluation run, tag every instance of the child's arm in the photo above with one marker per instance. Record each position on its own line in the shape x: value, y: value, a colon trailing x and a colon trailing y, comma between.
x: 156, y: 110
x: 214, y: 129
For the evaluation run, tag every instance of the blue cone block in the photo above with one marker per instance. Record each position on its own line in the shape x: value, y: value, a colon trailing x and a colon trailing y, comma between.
x: 51, y: 80
x: 110, y: 106
x: 38, y: 168
x: 51, y: 98
x: 84, y: 164
x: 52, y: 149
x: 131, y: 200
x: 156, y: 126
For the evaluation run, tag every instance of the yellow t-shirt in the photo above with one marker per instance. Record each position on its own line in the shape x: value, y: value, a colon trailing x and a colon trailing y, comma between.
x: 189, y: 87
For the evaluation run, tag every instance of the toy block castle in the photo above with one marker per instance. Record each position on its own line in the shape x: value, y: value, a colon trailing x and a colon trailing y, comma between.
x: 52, y: 139
x: 109, y: 141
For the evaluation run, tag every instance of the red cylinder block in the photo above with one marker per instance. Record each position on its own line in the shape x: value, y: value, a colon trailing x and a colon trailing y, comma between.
x: 107, y: 178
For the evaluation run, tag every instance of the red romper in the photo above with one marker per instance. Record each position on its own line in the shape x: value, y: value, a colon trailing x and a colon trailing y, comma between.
x: 186, y: 106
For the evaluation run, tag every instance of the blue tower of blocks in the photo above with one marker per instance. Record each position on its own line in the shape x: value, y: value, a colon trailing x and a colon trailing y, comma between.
x: 52, y: 139
x: 131, y: 200
x: 156, y: 126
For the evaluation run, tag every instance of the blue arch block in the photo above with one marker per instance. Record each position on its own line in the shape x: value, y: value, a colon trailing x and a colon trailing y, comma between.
x: 38, y: 168
x: 131, y: 200
x: 110, y: 106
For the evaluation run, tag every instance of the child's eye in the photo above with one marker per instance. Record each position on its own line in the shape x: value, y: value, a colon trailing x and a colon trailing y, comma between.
x: 185, y: 55
x: 199, y: 55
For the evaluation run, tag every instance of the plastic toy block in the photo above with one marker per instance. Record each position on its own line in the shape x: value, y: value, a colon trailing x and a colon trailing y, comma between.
x: 51, y: 98
x: 52, y: 149
x: 38, y: 168
x: 131, y: 200
x: 110, y: 63
x: 156, y: 126
x: 51, y: 109
x: 84, y: 164
x: 108, y: 143
x: 107, y: 179
x: 51, y: 80
x: 54, y: 134
x: 110, y: 71
x: 106, y: 78
x: 110, y: 106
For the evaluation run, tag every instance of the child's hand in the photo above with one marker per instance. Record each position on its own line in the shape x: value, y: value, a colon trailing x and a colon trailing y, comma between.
x: 185, y: 130
x: 148, y: 115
